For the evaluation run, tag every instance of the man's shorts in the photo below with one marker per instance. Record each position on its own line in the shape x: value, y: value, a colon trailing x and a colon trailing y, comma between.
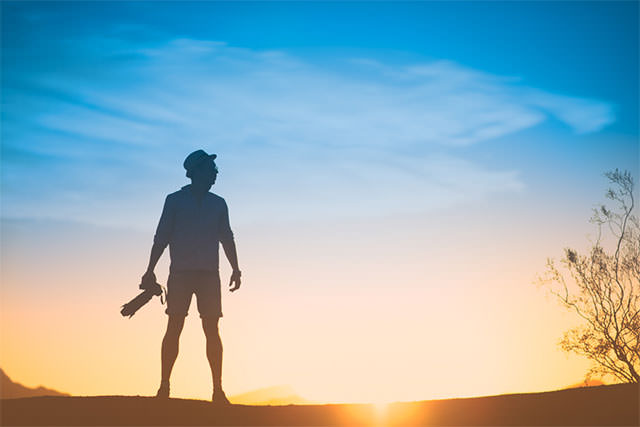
x: 181, y: 285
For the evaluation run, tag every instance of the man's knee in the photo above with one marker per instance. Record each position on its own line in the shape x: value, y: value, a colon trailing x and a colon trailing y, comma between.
x: 210, y: 326
x: 175, y: 325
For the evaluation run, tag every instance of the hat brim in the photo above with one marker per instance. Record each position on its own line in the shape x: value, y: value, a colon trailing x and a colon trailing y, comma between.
x: 202, y: 159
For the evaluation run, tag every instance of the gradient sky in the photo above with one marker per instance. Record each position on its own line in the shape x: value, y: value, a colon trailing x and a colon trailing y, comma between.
x: 397, y: 174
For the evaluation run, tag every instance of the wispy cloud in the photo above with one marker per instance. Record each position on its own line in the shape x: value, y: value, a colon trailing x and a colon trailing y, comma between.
x: 115, y: 118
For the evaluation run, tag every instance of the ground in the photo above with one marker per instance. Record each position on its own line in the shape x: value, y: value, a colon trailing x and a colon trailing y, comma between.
x: 610, y: 405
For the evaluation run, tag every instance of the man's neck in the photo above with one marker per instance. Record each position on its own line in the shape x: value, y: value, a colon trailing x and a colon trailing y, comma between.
x: 198, y: 189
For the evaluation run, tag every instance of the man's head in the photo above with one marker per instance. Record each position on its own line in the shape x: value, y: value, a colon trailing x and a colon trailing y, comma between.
x: 201, y: 167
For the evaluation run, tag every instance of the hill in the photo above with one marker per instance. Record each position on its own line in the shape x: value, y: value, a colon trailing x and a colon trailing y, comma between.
x: 10, y: 389
x: 276, y: 395
x: 608, y: 405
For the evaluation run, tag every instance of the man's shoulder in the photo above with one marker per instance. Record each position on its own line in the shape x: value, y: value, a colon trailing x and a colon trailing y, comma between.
x: 216, y: 198
x: 171, y: 197
x: 177, y: 195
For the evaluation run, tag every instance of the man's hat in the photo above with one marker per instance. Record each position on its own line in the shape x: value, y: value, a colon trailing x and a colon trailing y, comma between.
x: 196, y: 158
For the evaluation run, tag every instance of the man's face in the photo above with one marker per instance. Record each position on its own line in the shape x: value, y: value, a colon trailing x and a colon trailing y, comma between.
x: 206, y: 172
x: 212, y: 171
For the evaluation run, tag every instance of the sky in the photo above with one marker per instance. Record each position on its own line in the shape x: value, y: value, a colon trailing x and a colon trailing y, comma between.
x: 397, y: 174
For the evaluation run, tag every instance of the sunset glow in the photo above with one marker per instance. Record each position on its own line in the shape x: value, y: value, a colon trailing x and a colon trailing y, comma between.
x: 394, y: 187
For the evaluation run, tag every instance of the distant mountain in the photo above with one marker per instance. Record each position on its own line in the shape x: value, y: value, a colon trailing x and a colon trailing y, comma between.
x: 10, y: 390
x: 276, y: 395
x: 590, y: 383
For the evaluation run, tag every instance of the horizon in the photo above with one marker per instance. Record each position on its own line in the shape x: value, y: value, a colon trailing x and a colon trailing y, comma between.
x: 282, y: 394
x: 396, y: 175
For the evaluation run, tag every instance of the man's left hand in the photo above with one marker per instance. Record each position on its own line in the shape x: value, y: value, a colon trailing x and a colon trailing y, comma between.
x: 235, y: 281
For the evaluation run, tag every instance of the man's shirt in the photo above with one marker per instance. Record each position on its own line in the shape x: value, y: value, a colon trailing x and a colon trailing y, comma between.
x: 192, y: 228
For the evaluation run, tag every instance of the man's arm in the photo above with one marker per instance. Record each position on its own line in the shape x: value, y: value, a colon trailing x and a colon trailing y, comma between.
x: 230, y: 251
x: 156, y: 252
x: 160, y: 241
x: 229, y: 246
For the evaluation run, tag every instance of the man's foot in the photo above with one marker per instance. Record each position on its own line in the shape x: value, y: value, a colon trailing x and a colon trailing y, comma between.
x: 163, y: 391
x: 219, y: 398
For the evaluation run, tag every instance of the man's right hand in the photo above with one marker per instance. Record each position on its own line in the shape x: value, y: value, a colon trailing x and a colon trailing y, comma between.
x: 148, y: 280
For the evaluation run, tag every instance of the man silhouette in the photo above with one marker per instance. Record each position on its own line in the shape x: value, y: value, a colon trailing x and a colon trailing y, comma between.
x: 192, y: 223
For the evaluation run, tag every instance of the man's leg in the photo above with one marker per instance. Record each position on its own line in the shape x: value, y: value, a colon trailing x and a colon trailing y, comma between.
x: 214, y: 350
x: 170, y: 346
x: 208, y: 297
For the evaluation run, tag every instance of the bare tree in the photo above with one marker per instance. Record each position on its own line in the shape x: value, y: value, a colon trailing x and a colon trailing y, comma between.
x: 604, y: 288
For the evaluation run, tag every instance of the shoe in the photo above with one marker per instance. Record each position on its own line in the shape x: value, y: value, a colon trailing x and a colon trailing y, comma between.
x: 219, y: 398
x: 163, y: 391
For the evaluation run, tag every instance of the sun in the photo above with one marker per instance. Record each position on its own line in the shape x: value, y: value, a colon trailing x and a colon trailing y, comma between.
x: 380, y: 411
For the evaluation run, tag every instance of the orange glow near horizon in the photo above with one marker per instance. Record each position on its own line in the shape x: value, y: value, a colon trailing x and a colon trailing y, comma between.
x: 354, y: 333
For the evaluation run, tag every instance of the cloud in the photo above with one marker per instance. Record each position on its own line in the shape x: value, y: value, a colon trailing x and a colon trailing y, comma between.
x: 295, y: 139
x: 583, y: 115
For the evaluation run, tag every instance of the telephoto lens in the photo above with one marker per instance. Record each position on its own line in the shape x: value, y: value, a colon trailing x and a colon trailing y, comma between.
x: 150, y: 290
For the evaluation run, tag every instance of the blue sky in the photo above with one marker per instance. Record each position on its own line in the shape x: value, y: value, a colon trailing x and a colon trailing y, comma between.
x: 415, y: 159
x: 315, y: 109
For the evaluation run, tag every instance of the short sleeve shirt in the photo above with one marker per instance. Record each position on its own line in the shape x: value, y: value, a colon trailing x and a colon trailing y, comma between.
x: 193, y: 229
